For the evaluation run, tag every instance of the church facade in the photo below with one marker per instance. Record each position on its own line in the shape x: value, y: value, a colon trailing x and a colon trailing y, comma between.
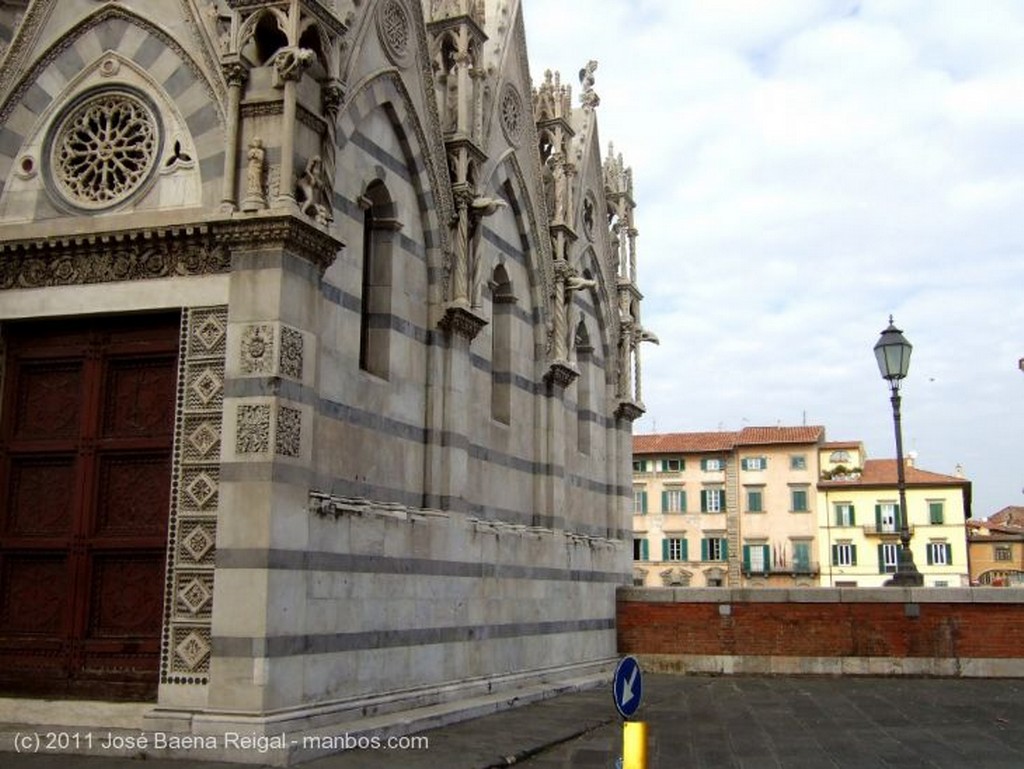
x: 320, y: 333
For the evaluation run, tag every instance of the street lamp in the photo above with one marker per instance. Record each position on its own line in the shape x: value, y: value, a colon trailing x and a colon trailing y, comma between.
x: 892, y: 352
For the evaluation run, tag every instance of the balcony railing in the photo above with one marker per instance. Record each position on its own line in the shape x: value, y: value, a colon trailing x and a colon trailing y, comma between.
x: 871, y: 530
x: 800, y: 568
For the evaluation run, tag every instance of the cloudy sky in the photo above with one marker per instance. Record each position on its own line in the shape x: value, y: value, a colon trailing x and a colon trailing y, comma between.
x: 802, y: 169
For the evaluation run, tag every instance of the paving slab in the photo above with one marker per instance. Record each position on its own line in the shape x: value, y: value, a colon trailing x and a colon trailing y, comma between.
x: 717, y: 722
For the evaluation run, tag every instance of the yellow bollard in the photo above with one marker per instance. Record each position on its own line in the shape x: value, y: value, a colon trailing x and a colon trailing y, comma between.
x: 634, y: 745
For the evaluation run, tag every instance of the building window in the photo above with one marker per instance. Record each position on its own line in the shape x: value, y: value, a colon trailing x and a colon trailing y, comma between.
x: 756, y: 559
x: 936, y: 513
x: 672, y: 465
x: 802, y: 557
x: 754, y: 463
x: 639, y: 465
x: 714, y: 549
x: 503, y: 305
x: 674, y: 549
x: 799, y: 500
x: 755, y: 501
x: 379, y: 228
x: 712, y: 501
x: 640, y: 550
x: 888, y: 557
x: 639, y: 501
x: 844, y: 554
x: 1003, y: 553
x: 839, y: 457
x: 844, y: 514
x: 887, y: 517
x: 713, y: 465
x: 673, y: 501
x: 940, y: 554
x: 798, y: 462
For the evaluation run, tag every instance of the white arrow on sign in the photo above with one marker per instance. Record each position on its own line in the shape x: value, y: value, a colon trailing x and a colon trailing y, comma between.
x: 627, y: 688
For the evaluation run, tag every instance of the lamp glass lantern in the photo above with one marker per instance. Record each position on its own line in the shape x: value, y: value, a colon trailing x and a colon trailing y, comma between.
x: 892, y: 351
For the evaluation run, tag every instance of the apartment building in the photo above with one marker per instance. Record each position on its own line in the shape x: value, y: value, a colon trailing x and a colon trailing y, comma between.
x: 860, y: 520
x: 781, y: 507
x: 726, y: 508
x: 996, y: 548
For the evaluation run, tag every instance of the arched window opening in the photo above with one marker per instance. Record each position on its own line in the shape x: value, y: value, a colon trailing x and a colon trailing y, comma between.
x: 267, y: 39
x: 379, y: 228
x: 584, y: 387
x: 503, y: 303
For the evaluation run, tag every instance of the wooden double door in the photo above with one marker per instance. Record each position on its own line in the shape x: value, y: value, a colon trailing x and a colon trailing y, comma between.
x: 86, y: 440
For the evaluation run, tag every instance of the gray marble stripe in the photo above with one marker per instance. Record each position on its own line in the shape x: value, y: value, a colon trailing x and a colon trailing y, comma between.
x: 304, y: 560
x: 331, y: 643
x: 374, y: 150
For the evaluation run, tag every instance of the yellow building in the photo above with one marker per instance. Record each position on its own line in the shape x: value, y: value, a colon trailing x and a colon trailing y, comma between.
x: 726, y: 508
x: 859, y: 520
x: 996, y: 547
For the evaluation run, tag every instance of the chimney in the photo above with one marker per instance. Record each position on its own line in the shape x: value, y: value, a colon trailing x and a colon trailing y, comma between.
x: 959, y: 470
x: 911, y: 458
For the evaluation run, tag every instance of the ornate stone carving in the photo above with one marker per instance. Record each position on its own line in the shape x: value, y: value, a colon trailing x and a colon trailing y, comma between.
x: 511, y: 114
x: 195, y: 485
x: 288, y: 432
x: 393, y: 30
x: 289, y: 63
x: 104, y: 149
x: 311, y: 192
x: 291, y: 353
x: 252, y: 430
x: 588, y: 98
x: 462, y: 321
x: 257, y: 349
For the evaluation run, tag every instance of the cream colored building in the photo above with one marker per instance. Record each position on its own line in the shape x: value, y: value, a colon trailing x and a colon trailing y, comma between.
x: 320, y: 327
x: 726, y: 508
x: 859, y: 519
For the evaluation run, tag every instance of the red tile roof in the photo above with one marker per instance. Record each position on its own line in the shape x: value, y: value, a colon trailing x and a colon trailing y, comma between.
x: 1011, y: 517
x: 766, y: 436
x: 842, y: 445
x: 683, y: 443
x: 694, y: 443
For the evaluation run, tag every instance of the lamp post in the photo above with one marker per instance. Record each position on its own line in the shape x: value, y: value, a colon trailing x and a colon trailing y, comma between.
x: 892, y: 351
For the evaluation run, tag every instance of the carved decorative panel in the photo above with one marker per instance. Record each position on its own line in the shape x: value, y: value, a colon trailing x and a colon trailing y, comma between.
x: 252, y: 430
x: 288, y: 435
x: 139, y: 397
x: 195, y: 492
x: 135, y: 489
x: 40, y: 492
x: 127, y: 594
x: 291, y: 353
x: 49, y: 399
x: 36, y: 582
x: 257, y: 352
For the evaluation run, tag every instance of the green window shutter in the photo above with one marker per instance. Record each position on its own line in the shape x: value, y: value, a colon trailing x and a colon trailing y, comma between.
x: 853, y: 555
x: 664, y: 549
x: 664, y: 501
x: 685, y: 554
x: 703, y: 500
x: 682, y: 463
x: 767, y: 557
x: 643, y: 501
x: 899, y: 518
x: 935, y: 510
x: 835, y: 555
x: 949, y: 554
x: 837, y: 516
x: 930, y: 551
x: 743, y: 464
x: 878, y: 517
x: 682, y: 501
x: 721, y: 500
x: 644, y: 550
x: 746, y: 557
x: 725, y: 549
x: 853, y: 518
x: 881, y: 559
x: 704, y: 465
x: 703, y: 549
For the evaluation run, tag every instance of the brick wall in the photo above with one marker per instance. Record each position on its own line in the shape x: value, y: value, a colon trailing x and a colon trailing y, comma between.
x: 874, y: 631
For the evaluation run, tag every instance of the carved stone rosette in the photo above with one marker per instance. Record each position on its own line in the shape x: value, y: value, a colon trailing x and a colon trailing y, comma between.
x: 195, y: 491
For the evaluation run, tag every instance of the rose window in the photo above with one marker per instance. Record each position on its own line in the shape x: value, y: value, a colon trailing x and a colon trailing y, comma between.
x: 511, y: 114
x: 104, y: 150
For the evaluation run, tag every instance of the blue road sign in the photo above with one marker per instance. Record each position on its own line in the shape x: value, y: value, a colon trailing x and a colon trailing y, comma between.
x: 627, y: 686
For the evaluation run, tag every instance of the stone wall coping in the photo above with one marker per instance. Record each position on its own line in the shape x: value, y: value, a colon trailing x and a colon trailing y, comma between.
x: 721, y: 595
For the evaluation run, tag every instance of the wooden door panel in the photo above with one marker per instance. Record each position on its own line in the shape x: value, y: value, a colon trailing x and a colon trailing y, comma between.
x: 86, y: 436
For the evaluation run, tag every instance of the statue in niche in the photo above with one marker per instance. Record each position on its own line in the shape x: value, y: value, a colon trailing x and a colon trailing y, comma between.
x: 255, y: 198
x: 478, y: 209
x: 311, y: 192
x: 560, y: 183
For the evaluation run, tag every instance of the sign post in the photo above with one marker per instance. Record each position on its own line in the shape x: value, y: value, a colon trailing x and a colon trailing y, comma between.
x: 627, y: 691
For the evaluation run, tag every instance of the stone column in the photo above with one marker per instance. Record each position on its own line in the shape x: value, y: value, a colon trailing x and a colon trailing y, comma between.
x: 236, y: 74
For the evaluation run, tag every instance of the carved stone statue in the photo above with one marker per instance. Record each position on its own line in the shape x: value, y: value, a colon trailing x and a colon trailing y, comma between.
x: 311, y: 193
x: 478, y: 209
x: 255, y: 198
x: 289, y: 62
x: 588, y: 98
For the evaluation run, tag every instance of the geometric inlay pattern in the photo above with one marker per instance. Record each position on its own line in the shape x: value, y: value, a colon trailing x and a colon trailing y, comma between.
x: 257, y: 353
x: 291, y: 353
x: 252, y: 430
x: 393, y: 30
x: 288, y: 436
x: 188, y: 593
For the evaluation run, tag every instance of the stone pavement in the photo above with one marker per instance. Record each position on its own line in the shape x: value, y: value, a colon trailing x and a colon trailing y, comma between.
x: 702, y: 722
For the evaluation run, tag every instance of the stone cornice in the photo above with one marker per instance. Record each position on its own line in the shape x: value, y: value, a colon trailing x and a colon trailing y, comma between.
x: 159, y: 251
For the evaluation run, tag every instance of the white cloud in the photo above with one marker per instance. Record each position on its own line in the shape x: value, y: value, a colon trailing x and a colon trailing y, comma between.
x: 802, y: 170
